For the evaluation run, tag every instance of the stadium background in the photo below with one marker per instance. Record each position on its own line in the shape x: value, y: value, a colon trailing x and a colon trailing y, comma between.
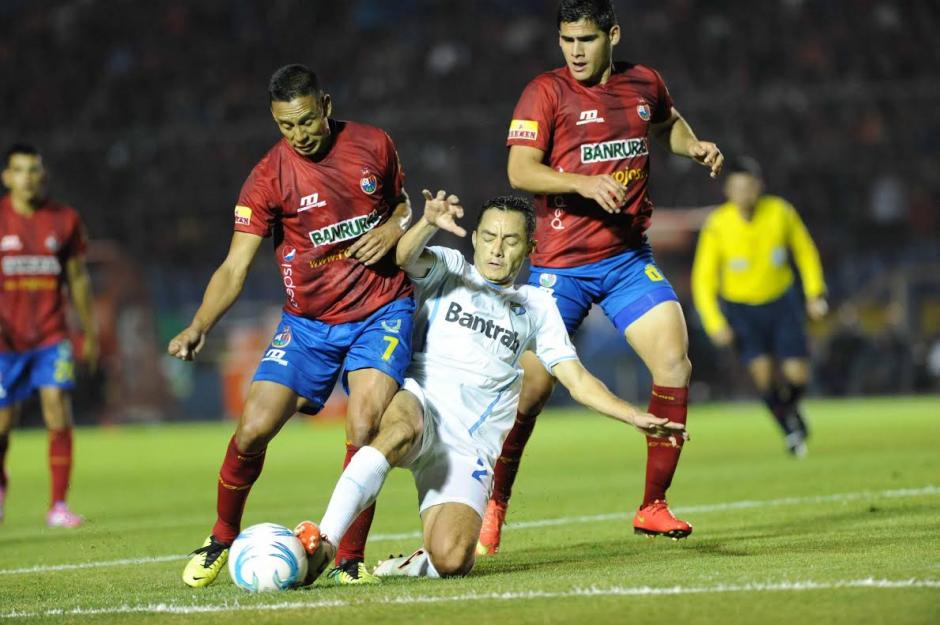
x: 150, y: 115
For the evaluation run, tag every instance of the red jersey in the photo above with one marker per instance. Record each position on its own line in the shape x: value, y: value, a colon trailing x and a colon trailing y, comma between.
x: 316, y: 210
x: 34, y: 251
x: 591, y: 130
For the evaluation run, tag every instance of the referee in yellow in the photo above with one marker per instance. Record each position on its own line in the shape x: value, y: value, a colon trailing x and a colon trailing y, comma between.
x: 744, y: 292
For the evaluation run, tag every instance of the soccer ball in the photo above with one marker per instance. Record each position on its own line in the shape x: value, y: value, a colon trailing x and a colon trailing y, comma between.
x: 265, y: 557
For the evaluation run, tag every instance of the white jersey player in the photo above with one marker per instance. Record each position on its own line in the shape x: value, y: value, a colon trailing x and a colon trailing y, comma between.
x: 448, y: 422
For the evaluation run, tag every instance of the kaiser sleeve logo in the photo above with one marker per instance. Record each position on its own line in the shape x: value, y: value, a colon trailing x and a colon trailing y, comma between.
x: 10, y: 243
x: 242, y: 216
x: 527, y: 129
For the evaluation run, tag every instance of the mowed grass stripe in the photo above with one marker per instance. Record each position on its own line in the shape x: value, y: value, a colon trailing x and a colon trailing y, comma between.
x: 538, y: 523
x: 615, y: 591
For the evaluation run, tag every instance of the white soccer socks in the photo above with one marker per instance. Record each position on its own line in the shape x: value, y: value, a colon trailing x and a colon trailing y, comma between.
x: 357, y: 488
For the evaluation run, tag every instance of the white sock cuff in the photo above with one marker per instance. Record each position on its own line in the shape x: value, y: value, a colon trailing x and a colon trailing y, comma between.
x: 357, y: 488
x: 372, y: 458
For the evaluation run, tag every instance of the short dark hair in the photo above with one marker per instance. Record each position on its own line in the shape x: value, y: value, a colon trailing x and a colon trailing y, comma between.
x: 601, y: 12
x: 511, y: 203
x: 19, y: 148
x: 293, y: 81
x: 744, y: 164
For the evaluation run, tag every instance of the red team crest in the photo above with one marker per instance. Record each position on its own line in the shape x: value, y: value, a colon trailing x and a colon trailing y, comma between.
x: 643, y: 110
x: 368, y: 184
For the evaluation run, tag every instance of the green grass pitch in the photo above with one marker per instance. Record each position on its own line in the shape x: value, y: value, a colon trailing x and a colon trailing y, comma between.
x: 851, y: 534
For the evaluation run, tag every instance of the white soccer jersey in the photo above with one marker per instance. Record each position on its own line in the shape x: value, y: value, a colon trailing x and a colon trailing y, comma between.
x: 468, y: 337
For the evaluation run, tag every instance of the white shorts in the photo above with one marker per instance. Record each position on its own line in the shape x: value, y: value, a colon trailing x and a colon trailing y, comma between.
x: 444, y: 466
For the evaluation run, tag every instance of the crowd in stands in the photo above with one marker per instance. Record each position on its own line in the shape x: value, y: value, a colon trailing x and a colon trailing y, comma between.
x: 151, y: 114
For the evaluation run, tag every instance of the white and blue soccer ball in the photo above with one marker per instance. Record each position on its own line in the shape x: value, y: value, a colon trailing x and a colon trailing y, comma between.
x: 266, y: 557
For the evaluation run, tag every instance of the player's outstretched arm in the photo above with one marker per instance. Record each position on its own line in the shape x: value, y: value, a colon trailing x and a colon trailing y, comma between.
x: 591, y: 392
x: 678, y: 136
x: 440, y: 212
x: 224, y: 288
x: 528, y: 172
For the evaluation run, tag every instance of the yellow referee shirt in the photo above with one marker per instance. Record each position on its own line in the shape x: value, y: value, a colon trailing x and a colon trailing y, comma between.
x: 747, y: 261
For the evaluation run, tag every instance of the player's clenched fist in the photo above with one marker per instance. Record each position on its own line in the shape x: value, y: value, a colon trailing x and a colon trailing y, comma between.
x: 186, y: 344
x: 442, y: 210
x: 604, y: 190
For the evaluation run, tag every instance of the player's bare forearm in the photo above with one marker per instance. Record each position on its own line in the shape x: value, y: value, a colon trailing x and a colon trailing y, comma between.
x: 527, y: 173
x: 440, y: 212
x: 227, y: 282
x: 409, y: 253
x: 678, y: 136
x: 80, y: 290
x: 224, y: 288
x: 375, y: 244
x: 588, y: 391
x: 402, y: 214
x: 591, y: 392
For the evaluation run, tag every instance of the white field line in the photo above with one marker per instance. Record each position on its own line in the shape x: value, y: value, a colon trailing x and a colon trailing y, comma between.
x: 718, y: 507
x: 594, y: 591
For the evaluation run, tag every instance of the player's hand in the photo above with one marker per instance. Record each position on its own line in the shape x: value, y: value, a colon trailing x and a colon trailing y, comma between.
x: 817, y: 308
x: 374, y: 244
x: 187, y: 344
x: 90, y: 352
x: 723, y: 337
x: 707, y: 153
x: 443, y: 210
x: 660, y: 427
x: 604, y: 190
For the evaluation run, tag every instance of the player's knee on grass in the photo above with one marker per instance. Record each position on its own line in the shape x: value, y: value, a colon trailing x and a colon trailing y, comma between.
x: 450, y: 537
x: 452, y: 555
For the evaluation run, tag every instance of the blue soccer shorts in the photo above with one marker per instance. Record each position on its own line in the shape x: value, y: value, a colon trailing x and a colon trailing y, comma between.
x: 308, y: 356
x: 21, y: 373
x: 772, y: 329
x: 626, y: 286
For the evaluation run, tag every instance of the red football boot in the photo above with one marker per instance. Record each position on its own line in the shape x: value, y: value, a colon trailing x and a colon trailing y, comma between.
x: 492, y: 528
x: 655, y: 519
x: 320, y: 551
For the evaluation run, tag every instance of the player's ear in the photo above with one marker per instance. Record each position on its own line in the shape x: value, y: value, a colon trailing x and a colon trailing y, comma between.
x: 532, y: 243
x: 614, y: 34
x: 473, y: 238
x: 326, y: 102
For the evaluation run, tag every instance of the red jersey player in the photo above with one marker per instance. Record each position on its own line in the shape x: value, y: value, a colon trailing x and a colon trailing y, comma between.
x: 330, y: 195
x: 579, y: 140
x: 42, y: 246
